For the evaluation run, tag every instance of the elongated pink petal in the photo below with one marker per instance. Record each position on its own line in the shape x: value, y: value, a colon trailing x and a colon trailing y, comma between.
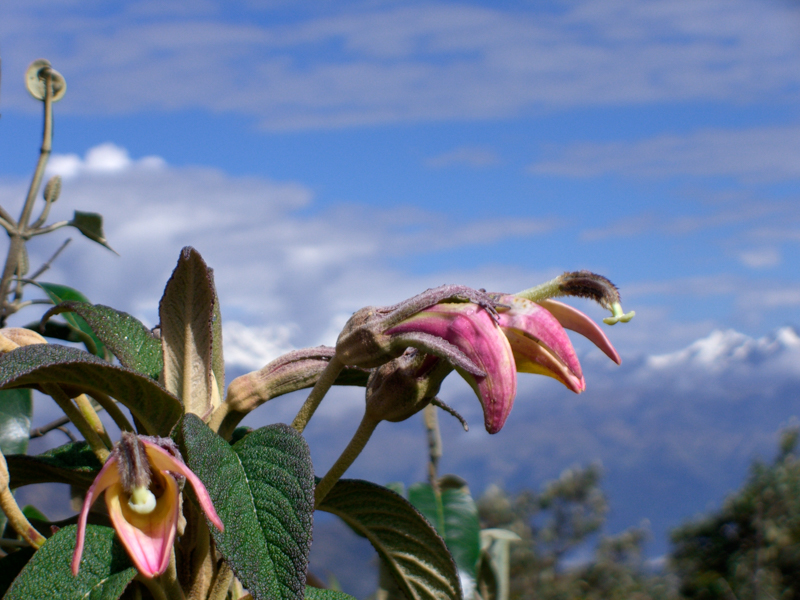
x: 532, y: 321
x: 472, y: 330
x: 164, y: 461
x: 573, y: 319
x: 107, y: 476
x: 532, y: 357
x: 147, y: 538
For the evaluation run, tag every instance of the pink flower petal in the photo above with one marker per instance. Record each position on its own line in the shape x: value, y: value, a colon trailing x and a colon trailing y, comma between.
x: 530, y: 320
x: 147, y: 538
x: 473, y: 331
x: 573, y: 319
x: 107, y: 476
x: 164, y: 461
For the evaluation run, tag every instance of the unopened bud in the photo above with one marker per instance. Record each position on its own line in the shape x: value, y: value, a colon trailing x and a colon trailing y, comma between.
x: 52, y: 190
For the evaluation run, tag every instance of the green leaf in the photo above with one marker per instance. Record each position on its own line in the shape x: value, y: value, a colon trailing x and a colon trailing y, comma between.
x: 77, y: 372
x: 410, y: 547
x: 187, y: 313
x: 313, y: 593
x: 60, y: 293
x: 72, y: 463
x: 16, y: 411
x: 104, y: 574
x: 125, y: 336
x: 263, y: 490
x: 56, y: 330
x: 91, y: 225
x: 455, y: 516
x: 217, y: 357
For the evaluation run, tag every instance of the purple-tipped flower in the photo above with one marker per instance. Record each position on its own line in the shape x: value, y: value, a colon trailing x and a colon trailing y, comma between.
x: 473, y: 331
x: 141, y: 483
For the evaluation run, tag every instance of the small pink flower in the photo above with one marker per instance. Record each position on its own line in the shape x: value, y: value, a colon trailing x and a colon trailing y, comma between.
x: 140, y: 480
x: 473, y: 331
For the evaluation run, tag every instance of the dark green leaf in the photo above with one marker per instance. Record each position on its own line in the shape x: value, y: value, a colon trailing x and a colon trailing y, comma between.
x: 91, y: 225
x: 263, y: 490
x: 57, y: 330
x: 11, y: 565
x: 79, y: 372
x: 187, y: 312
x: 72, y: 463
x: 411, y: 548
x: 125, y: 336
x: 60, y: 293
x: 16, y: 410
x: 104, y: 574
x: 455, y: 517
x: 313, y: 593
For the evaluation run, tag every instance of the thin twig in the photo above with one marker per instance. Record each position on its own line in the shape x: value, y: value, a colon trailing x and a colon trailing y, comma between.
x: 40, y: 431
x: 49, y: 262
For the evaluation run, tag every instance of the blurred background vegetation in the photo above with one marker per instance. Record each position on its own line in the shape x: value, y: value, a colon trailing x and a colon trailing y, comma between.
x: 749, y: 549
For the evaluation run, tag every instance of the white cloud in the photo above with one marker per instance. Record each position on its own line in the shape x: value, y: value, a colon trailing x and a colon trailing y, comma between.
x: 105, y: 158
x: 362, y: 64
x: 760, y: 258
x: 759, y: 154
x: 293, y: 276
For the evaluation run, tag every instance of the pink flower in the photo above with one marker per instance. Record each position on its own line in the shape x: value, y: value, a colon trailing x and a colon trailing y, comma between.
x: 523, y: 336
x: 473, y: 331
x: 141, y: 484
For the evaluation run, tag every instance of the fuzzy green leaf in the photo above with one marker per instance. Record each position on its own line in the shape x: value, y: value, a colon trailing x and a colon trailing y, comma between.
x: 91, y: 225
x: 72, y: 463
x: 409, y: 546
x: 77, y: 372
x: 313, y: 593
x: 61, y: 293
x: 263, y: 490
x: 187, y: 313
x: 104, y: 574
x: 125, y: 336
x: 16, y: 411
x: 454, y: 514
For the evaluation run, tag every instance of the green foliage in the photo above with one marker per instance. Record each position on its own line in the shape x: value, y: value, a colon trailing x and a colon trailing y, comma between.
x: 318, y: 594
x: 411, y: 549
x: 104, y: 575
x: 453, y: 513
x: 750, y: 548
x: 78, y: 372
x: 72, y: 463
x: 557, y: 520
x: 91, y: 225
x: 263, y: 490
x: 16, y: 411
x: 124, y: 336
x: 62, y: 293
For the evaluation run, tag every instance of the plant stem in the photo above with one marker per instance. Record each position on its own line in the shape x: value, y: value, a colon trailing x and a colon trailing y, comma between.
x: 324, y: 383
x: 16, y: 518
x: 113, y: 410
x: 92, y: 418
x: 354, y: 448
x: 169, y: 579
x: 20, y: 231
x: 74, y: 415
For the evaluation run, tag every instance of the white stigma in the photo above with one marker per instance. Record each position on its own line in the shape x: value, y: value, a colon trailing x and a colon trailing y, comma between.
x: 142, y: 501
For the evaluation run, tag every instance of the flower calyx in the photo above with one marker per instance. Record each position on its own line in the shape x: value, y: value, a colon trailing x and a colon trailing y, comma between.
x: 375, y: 335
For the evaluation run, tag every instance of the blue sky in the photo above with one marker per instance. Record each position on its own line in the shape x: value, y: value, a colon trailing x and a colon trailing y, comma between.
x: 324, y: 155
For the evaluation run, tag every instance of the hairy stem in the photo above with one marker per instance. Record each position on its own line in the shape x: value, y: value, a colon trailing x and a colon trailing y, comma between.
x: 351, y: 452
x: 324, y: 383
x: 74, y: 415
x: 16, y: 518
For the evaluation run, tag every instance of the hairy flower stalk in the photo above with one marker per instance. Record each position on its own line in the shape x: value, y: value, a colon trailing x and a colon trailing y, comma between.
x: 142, y: 481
